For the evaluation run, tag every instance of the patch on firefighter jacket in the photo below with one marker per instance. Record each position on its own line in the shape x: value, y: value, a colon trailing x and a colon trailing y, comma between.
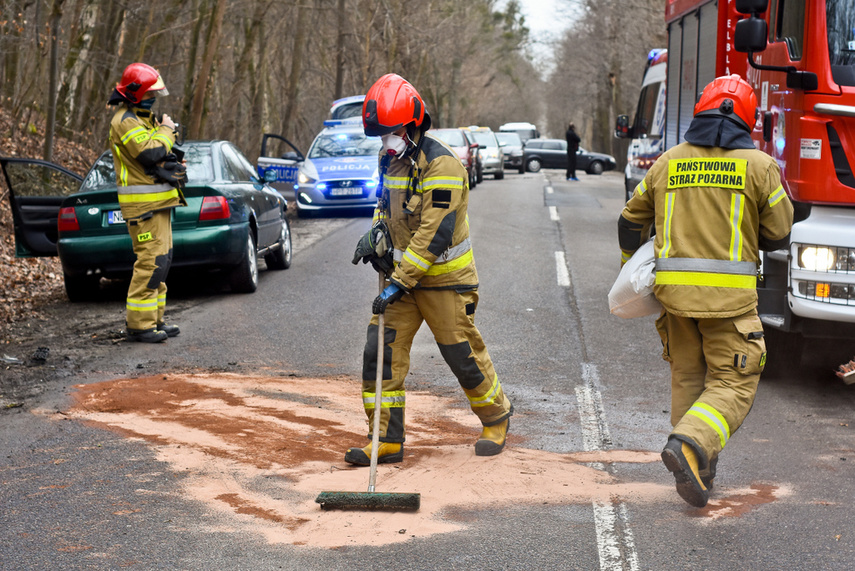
x: 722, y: 173
x: 144, y: 237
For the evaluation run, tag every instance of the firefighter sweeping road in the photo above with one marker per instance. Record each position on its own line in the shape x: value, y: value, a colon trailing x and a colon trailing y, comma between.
x: 206, y: 452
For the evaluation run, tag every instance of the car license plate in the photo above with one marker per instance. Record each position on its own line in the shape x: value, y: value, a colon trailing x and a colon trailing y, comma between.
x: 346, y: 191
x: 115, y: 217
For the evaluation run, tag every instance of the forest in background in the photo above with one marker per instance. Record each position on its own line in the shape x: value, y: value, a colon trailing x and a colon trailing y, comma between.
x: 236, y: 69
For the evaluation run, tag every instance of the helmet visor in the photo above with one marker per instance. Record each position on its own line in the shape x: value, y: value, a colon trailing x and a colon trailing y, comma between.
x: 159, y: 87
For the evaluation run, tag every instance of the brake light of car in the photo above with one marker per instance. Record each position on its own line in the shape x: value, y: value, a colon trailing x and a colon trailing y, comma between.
x: 214, y: 208
x: 67, y: 221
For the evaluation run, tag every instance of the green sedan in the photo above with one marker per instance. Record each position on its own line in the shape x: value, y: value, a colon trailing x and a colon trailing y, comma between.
x: 231, y: 219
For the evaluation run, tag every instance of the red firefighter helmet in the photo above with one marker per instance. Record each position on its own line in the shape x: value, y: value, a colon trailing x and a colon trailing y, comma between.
x: 139, y: 79
x: 390, y: 104
x: 732, y: 97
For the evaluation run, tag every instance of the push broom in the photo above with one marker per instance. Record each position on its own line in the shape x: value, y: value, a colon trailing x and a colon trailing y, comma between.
x: 372, y: 499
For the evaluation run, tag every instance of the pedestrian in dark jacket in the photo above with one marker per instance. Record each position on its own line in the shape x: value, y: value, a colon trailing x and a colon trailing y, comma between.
x: 572, y: 146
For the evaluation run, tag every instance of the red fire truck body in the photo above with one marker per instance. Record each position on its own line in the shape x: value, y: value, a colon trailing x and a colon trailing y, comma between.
x: 806, y: 94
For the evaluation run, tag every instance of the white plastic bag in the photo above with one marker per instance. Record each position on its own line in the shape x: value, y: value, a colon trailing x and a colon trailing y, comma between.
x: 632, y: 293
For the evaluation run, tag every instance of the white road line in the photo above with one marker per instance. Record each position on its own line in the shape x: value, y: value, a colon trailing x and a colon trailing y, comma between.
x: 553, y: 213
x: 561, y: 270
x: 615, y: 541
x: 549, y: 190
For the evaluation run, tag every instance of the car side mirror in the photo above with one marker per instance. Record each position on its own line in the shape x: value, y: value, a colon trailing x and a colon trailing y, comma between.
x: 270, y: 175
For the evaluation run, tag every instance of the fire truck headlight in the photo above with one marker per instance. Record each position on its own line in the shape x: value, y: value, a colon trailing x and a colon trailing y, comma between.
x: 816, y: 258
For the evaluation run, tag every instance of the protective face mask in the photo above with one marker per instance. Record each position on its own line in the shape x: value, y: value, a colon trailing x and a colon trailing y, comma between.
x: 394, y: 145
x: 147, y: 103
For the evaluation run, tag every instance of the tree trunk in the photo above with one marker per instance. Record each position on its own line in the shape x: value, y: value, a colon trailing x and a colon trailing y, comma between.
x: 293, y: 89
x: 211, y: 45
x: 339, y: 52
x: 56, y: 15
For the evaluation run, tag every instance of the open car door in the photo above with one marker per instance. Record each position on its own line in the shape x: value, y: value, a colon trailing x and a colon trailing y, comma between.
x: 286, y: 164
x: 36, y: 190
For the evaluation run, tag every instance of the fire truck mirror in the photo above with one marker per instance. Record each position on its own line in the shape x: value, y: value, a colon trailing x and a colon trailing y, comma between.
x: 767, y: 126
x: 750, y: 35
x: 806, y: 80
x: 751, y: 6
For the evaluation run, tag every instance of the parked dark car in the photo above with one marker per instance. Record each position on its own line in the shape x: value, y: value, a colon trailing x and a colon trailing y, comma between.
x: 552, y: 153
x: 231, y: 218
x: 467, y: 150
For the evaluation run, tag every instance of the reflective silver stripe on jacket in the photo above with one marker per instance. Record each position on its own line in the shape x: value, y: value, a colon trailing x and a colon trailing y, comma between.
x: 144, y: 188
x: 708, y: 266
x: 450, y: 254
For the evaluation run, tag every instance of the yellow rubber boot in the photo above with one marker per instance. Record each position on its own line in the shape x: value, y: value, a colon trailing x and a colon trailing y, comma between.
x: 680, y: 459
x: 387, y: 453
x: 492, y: 439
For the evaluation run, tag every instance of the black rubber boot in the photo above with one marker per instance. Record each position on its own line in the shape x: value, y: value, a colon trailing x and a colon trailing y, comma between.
x: 707, y: 476
x: 387, y: 453
x: 170, y: 330
x: 146, y: 335
x: 682, y: 461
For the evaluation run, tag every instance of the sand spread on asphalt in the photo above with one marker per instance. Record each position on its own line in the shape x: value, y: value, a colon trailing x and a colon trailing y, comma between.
x: 257, y: 451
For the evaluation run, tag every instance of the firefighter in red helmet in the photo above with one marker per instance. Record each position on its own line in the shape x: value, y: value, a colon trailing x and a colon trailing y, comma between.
x: 715, y: 201
x: 142, y: 145
x: 421, y: 220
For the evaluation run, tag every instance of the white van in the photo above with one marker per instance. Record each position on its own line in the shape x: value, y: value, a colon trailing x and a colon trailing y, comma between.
x: 647, y: 128
x: 526, y: 131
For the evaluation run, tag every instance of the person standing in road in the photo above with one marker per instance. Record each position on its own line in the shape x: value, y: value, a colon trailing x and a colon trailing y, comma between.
x: 715, y: 201
x: 573, y: 141
x: 422, y: 217
x: 140, y: 144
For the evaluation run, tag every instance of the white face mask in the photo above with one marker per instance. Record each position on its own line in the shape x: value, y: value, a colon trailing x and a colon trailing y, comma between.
x: 394, y: 145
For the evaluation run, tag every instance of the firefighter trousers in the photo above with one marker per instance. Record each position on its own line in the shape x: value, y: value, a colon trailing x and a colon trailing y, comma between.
x: 451, y: 318
x: 152, y: 242
x: 715, y: 369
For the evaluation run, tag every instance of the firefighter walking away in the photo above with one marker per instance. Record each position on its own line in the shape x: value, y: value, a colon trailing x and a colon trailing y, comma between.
x: 715, y: 201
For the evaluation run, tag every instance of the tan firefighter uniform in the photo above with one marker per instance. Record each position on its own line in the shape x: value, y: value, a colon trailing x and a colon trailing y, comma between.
x: 136, y: 141
x: 425, y: 208
x: 711, y: 208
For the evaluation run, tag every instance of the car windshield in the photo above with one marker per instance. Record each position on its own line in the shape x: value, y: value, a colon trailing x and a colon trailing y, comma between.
x: 351, y: 144
x: 452, y: 137
x: 840, y: 16
x: 485, y: 138
x: 197, y: 159
x: 509, y: 139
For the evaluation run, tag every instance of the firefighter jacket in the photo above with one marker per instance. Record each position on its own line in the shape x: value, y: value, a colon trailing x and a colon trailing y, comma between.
x: 138, y: 144
x: 712, y: 208
x: 424, y: 203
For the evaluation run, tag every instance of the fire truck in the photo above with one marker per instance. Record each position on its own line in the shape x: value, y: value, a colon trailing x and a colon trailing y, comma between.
x: 799, y: 55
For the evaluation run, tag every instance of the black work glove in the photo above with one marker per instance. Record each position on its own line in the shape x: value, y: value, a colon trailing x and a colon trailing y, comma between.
x: 376, y: 247
x: 391, y: 294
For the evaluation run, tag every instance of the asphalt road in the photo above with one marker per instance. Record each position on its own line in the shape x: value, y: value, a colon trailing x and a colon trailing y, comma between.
x: 76, y: 496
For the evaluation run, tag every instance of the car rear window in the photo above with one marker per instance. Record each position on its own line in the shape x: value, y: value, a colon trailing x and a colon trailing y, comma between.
x: 452, y: 138
x: 102, y: 176
x: 346, y: 144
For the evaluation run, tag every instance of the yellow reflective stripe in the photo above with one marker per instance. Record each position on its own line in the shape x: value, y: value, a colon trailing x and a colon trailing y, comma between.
x: 135, y: 131
x: 396, y: 181
x: 163, y: 139
x: 123, y: 170
x: 669, y: 214
x: 416, y: 260
x: 388, y: 399
x: 737, y: 208
x: 641, y: 187
x: 489, y: 398
x: 148, y: 197
x: 451, y: 266
x: 777, y: 196
x: 706, y: 279
x: 713, y: 418
x: 624, y: 257
x: 141, y: 304
x: 161, y: 300
x: 442, y: 182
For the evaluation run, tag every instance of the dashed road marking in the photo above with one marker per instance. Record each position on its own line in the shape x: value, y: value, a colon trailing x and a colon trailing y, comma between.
x: 553, y: 213
x: 561, y: 270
